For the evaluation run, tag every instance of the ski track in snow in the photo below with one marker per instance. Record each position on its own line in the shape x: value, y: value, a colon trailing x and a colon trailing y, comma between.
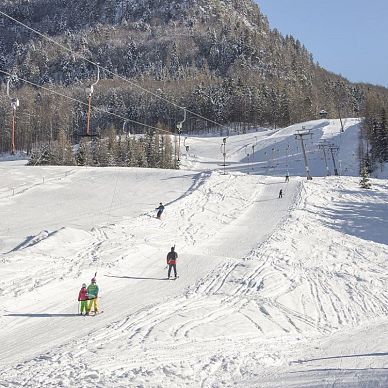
x: 250, y: 305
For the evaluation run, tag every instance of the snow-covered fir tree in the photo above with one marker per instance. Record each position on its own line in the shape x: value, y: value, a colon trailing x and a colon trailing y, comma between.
x: 365, y: 181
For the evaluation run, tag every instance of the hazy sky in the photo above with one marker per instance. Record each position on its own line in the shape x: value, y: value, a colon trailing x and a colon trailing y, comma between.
x: 348, y: 37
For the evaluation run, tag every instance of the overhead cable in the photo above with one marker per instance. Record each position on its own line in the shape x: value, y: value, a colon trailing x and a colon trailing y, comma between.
x: 111, y: 72
x: 84, y: 103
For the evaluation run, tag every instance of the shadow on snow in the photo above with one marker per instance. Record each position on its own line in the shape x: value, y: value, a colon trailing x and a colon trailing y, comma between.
x: 134, y: 277
x: 45, y: 315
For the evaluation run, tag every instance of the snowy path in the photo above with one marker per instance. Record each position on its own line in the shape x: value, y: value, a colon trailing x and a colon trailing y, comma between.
x: 198, y: 257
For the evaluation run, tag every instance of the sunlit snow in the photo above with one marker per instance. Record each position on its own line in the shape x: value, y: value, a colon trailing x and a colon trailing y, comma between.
x: 272, y: 292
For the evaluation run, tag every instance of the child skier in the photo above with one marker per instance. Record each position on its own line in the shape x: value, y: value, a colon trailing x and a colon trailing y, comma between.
x: 92, y: 291
x: 83, y: 297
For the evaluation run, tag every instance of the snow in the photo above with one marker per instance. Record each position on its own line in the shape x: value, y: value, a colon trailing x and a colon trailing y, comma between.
x: 277, y: 151
x: 272, y: 292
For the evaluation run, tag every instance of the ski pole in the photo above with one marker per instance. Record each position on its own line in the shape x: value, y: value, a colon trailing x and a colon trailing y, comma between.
x: 78, y: 306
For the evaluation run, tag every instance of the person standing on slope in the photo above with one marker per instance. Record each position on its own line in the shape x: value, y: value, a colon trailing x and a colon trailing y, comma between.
x: 83, y: 298
x: 160, y: 210
x: 92, y: 291
x: 281, y: 193
x: 171, y: 261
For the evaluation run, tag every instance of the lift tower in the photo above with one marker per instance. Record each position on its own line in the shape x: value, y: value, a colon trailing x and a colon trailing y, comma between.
x: 301, y: 134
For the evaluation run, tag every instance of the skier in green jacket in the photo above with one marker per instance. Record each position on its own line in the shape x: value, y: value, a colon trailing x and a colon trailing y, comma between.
x: 92, y: 291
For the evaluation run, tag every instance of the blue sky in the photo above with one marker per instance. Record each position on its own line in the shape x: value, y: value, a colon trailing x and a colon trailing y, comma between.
x: 348, y: 37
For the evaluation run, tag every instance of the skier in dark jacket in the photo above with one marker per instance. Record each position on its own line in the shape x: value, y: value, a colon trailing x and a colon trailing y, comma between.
x: 160, y: 210
x: 171, y: 261
x: 281, y: 193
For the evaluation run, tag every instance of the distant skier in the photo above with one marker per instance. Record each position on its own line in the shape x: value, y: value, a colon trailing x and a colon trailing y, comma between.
x: 160, y: 210
x: 281, y: 193
x: 92, y: 291
x: 171, y: 261
x: 287, y: 178
x: 83, y: 298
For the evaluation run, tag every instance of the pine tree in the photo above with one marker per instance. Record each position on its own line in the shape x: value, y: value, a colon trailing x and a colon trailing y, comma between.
x: 141, y: 155
x: 130, y: 152
x: 383, y: 137
x: 364, y: 182
x: 167, y: 152
x: 62, y: 150
x: 43, y: 157
x: 112, y: 151
x: 101, y: 154
x: 34, y: 158
x: 84, y: 155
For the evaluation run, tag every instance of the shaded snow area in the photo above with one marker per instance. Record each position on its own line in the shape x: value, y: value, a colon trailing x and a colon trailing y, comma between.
x: 272, y: 292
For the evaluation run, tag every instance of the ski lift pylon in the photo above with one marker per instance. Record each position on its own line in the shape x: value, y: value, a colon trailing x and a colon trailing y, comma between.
x: 179, y: 127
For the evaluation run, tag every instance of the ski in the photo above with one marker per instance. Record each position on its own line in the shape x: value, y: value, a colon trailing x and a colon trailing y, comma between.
x: 94, y: 314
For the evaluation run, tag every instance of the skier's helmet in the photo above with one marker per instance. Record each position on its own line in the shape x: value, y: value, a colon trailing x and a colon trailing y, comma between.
x: 93, y: 280
x: 172, y: 248
x: 83, y: 285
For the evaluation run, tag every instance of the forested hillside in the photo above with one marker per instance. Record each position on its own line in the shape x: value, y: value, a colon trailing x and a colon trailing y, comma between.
x: 218, y: 58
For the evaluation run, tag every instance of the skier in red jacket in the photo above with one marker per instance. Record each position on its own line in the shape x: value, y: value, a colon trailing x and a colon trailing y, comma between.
x: 83, y: 297
x: 171, y: 261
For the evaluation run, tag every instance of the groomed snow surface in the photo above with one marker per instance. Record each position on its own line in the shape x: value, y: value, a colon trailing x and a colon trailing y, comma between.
x: 272, y: 292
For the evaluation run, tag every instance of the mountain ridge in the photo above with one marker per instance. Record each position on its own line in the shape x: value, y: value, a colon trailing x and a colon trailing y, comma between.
x: 218, y: 58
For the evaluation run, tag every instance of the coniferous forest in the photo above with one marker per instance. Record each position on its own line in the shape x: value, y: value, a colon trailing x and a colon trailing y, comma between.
x: 217, y: 58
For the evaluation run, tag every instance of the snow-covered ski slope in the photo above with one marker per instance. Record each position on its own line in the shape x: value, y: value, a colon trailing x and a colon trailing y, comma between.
x: 288, y: 292
x: 277, y: 151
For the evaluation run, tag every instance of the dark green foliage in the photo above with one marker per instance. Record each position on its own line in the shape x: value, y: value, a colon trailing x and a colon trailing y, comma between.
x: 364, y: 182
x: 374, y: 133
x: 42, y: 157
x: 153, y: 150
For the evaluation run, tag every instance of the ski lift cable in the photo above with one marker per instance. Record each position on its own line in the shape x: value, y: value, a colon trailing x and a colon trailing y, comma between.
x: 111, y: 72
x: 84, y: 103
x: 98, y: 109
